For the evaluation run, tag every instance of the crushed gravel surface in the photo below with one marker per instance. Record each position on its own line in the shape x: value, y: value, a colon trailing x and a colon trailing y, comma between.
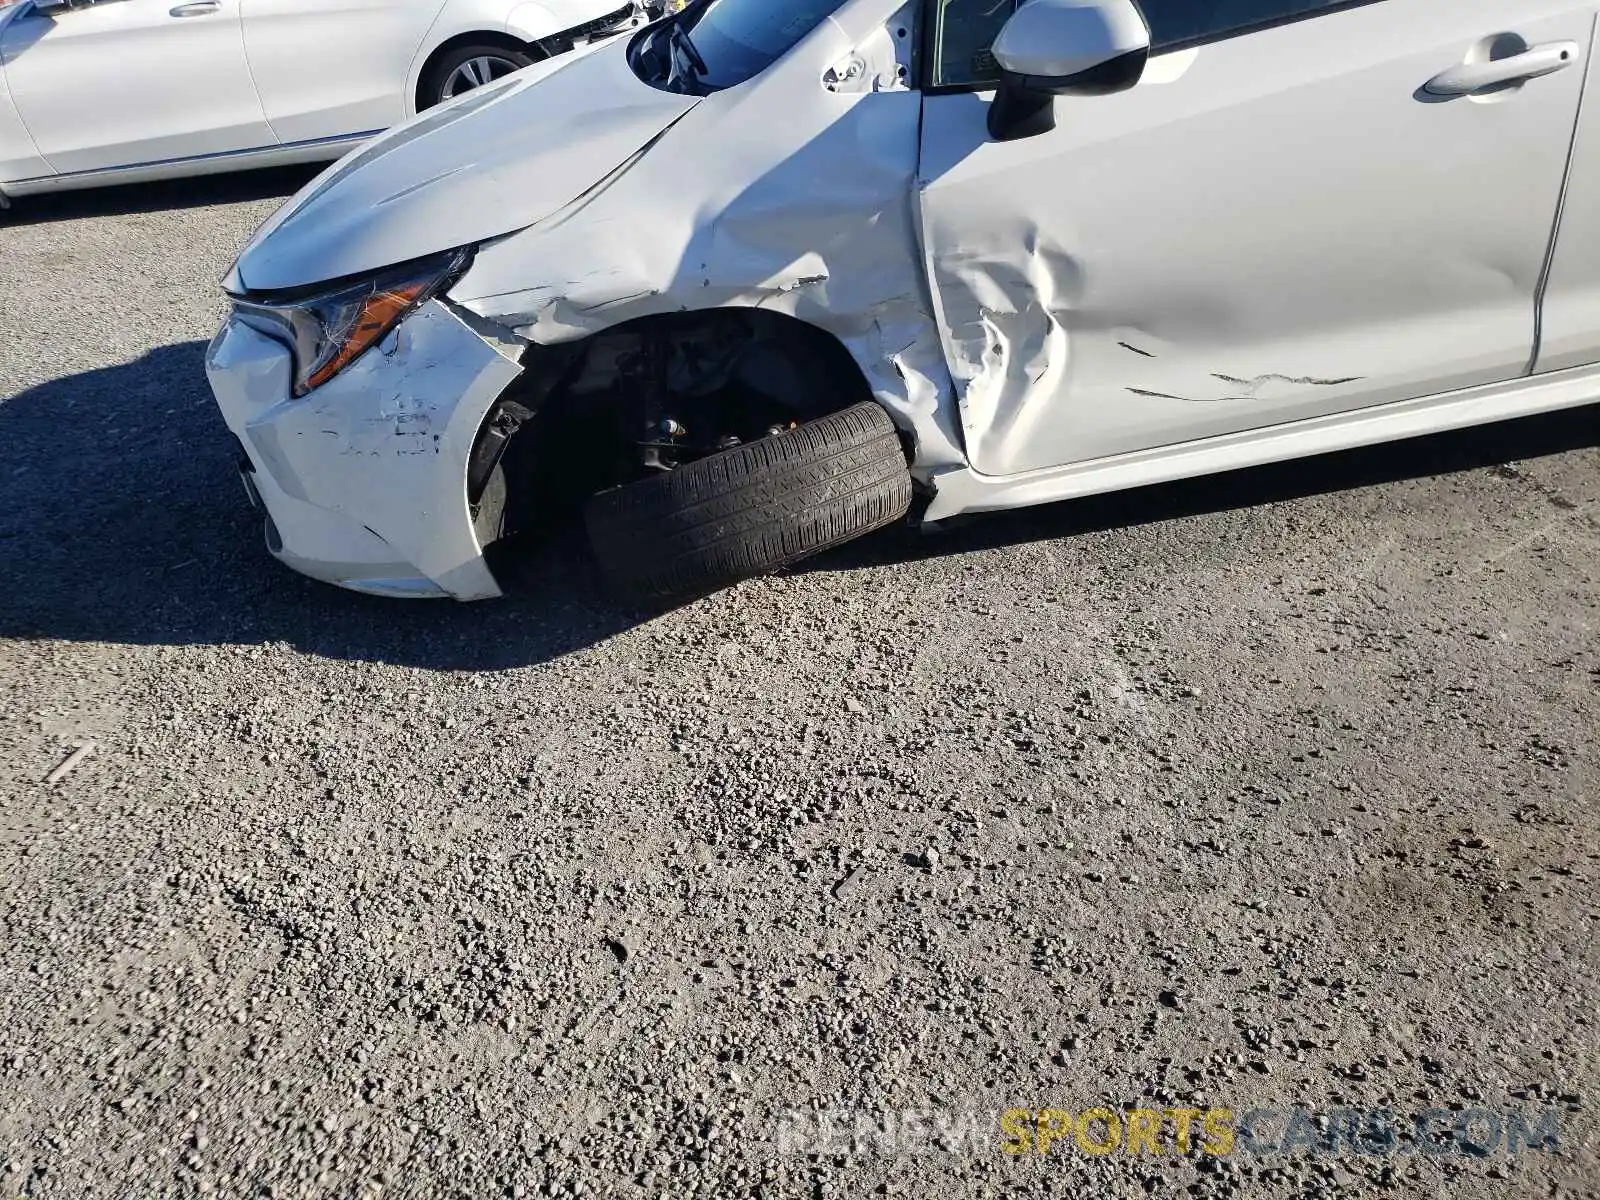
x: 1268, y: 792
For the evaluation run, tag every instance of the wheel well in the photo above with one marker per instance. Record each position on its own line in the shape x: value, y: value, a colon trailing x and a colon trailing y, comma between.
x: 579, y: 418
x: 483, y: 37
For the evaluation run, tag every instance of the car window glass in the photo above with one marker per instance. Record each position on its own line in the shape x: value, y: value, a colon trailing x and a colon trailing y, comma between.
x: 964, y: 30
x: 738, y: 39
x: 1176, y: 21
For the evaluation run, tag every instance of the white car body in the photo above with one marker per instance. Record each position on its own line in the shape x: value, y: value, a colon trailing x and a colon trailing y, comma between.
x: 1277, y: 244
x: 115, y: 91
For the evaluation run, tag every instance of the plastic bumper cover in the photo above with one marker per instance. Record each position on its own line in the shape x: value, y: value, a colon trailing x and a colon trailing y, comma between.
x: 364, y: 479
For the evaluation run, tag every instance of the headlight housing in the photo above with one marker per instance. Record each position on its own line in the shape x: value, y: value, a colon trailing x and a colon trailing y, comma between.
x: 327, y: 328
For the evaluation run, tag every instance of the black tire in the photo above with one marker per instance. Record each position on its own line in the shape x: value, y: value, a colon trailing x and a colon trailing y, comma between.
x: 436, y: 83
x: 752, y: 509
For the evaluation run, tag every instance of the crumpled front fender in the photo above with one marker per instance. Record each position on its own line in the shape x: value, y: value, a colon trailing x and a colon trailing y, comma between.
x: 800, y: 201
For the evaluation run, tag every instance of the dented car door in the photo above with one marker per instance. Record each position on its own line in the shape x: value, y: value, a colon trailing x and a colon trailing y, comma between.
x: 1302, y: 209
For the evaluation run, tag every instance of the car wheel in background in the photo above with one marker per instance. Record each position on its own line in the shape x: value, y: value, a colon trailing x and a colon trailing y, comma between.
x: 752, y: 509
x: 467, y: 68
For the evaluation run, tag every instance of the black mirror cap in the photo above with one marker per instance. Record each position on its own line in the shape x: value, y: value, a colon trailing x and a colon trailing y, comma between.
x: 1112, y: 76
x: 1024, y: 105
x: 1019, y: 112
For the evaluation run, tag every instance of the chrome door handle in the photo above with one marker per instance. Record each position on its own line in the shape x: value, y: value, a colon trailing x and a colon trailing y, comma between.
x: 199, y: 8
x: 1530, y: 64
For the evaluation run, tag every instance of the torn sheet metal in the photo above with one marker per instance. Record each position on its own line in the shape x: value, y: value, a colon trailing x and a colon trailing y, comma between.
x: 1232, y: 244
x: 799, y: 203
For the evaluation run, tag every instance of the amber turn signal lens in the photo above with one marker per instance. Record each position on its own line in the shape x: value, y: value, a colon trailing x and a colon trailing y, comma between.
x: 379, y: 313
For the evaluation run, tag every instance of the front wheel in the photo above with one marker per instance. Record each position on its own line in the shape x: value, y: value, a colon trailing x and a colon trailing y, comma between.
x: 755, y: 508
x: 469, y: 67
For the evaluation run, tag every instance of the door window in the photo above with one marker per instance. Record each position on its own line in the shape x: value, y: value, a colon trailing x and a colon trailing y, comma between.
x: 1183, y: 22
x: 964, y: 30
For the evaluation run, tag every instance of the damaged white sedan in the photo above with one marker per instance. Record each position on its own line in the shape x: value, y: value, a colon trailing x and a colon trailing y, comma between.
x: 773, y: 273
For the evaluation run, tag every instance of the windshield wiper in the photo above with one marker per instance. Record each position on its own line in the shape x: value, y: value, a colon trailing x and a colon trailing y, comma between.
x: 680, y: 43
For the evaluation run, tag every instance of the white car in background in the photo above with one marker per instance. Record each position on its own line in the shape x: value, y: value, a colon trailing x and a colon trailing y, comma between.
x: 114, y: 91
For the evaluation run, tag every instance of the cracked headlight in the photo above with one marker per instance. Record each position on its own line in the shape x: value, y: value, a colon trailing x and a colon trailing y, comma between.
x: 330, y: 326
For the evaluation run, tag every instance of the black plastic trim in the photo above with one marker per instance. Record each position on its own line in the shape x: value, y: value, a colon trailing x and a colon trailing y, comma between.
x: 1112, y: 76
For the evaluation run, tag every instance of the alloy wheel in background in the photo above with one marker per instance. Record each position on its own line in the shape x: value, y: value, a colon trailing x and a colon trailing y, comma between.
x: 466, y: 68
x: 476, y: 72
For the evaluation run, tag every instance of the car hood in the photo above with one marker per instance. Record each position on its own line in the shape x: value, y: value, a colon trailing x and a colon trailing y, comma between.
x: 498, y: 160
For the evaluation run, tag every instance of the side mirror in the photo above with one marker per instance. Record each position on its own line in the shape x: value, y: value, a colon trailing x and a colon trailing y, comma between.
x: 1053, y: 48
x: 49, y: 8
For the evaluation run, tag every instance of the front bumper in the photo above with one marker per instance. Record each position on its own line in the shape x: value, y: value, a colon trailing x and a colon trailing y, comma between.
x: 364, y: 480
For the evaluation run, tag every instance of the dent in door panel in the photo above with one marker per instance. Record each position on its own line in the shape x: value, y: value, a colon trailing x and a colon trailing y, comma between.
x: 1280, y: 231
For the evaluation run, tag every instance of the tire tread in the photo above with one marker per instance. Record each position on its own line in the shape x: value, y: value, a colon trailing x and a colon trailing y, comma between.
x: 752, y: 509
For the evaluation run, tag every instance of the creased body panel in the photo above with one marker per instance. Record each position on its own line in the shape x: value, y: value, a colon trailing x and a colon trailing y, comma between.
x: 964, y: 491
x: 798, y: 202
x: 441, y: 181
x: 1272, y: 227
x: 366, y: 476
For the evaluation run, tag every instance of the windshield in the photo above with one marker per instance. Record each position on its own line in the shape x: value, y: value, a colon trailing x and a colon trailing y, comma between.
x: 716, y: 44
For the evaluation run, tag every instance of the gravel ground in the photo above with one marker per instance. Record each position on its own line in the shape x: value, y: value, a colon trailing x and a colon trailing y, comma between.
x: 1263, y: 792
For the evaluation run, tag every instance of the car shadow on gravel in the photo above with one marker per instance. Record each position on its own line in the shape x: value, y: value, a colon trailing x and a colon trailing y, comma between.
x: 1437, y: 454
x: 196, y: 192
x: 122, y: 521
